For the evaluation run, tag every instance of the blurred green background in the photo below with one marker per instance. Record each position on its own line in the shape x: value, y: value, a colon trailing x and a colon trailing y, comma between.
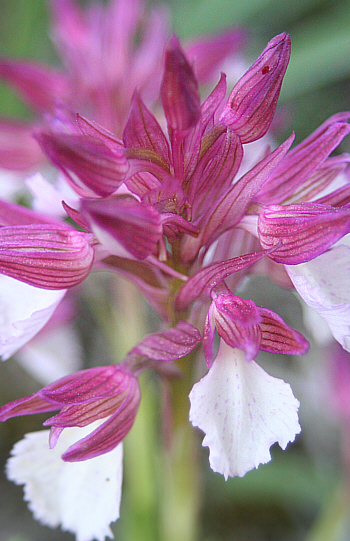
x: 300, y: 495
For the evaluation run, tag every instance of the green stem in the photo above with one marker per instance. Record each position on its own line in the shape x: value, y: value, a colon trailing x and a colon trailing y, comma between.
x: 180, y: 491
x: 139, y: 511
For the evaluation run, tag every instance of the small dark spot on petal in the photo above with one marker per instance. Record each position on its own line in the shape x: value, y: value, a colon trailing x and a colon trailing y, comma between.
x: 265, y: 70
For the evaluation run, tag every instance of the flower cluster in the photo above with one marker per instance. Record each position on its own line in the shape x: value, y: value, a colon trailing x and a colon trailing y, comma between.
x: 178, y: 213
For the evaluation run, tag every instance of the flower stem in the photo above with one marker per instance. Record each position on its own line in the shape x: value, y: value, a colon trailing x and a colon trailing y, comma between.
x: 180, y: 491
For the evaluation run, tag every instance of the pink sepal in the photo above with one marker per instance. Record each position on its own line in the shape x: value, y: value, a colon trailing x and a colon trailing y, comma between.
x: 207, y: 278
x: 47, y: 256
x: 169, y: 345
x: 76, y: 216
x: 332, y: 169
x: 236, y: 321
x: 229, y: 208
x: 179, y: 89
x: 142, y: 130
x: 251, y: 105
x: 92, y: 167
x: 93, y: 129
x: 26, y: 406
x: 302, y: 161
x: 339, y: 197
x: 277, y: 337
x: 86, y: 386
x: 301, y: 232
x: 142, y: 182
x: 217, y: 166
x: 12, y: 214
x: 136, y: 226
x: 107, y: 436
x: 212, y: 103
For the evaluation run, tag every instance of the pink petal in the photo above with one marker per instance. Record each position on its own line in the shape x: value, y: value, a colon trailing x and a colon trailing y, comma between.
x: 237, y: 322
x: 126, y: 221
x: 301, y: 232
x: 142, y: 130
x: 92, y: 167
x: 179, y: 90
x: 170, y: 344
x: 277, y: 337
x: 251, y: 105
x: 110, y: 433
x: 300, y: 162
x: 48, y: 256
x: 209, y: 277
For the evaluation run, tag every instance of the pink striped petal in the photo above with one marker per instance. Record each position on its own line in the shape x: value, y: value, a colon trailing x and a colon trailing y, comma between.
x: 169, y: 345
x: 229, y: 208
x: 179, y: 90
x: 301, y: 162
x: 251, y: 105
x: 45, y: 256
x: 108, y: 435
x: 91, y: 166
x: 209, y: 277
x: 237, y: 322
x: 124, y: 221
x: 277, y: 337
x: 301, y: 232
x: 142, y: 130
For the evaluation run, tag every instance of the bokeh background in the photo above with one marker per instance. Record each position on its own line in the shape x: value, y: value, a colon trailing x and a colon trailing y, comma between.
x: 303, y: 494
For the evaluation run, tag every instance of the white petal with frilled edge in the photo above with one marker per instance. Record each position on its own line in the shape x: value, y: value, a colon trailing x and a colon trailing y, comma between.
x: 324, y: 284
x: 24, y: 310
x: 242, y: 411
x: 81, y: 497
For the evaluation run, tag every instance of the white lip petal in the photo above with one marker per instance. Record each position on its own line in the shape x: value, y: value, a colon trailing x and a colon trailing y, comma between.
x: 242, y: 410
x: 24, y: 310
x: 81, y: 497
x: 323, y: 283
